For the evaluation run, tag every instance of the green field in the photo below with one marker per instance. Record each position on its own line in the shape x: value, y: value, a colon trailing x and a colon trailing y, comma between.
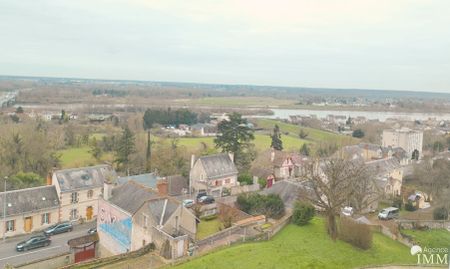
x: 208, y: 227
x: 79, y: 157
x: 438, y: 238
x: 303, y: 247
x: 314, y: 135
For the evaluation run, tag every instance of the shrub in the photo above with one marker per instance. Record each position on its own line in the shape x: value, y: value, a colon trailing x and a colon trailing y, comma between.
x: 440, y: 213
x: 357, y: 234
x: 269, y: 205
x: 262, y: 182
x: 245, y: 179
x: 303, y: 213
x: 358, y: 133
x: 397, y: 202
x: 410, y: 207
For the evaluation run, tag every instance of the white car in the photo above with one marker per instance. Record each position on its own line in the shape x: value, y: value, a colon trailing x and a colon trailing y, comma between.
x: 347, y: 211
x: 188, y: 203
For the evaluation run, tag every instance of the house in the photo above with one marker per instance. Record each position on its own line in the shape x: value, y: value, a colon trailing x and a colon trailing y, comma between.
x: 388, y: 174
x: 285, y: 164
x: 213, y: 173
x: 29, y: 210
x: 79, y: 189
x: 133, y: 216
x: 177, y: 184
x: 203, y: 129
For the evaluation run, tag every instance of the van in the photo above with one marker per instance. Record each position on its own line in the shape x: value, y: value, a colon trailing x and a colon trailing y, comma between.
x: 388, y: 213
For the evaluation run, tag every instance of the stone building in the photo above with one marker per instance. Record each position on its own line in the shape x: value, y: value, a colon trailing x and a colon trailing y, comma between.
x: 410, y: 140
x: 29, y: 210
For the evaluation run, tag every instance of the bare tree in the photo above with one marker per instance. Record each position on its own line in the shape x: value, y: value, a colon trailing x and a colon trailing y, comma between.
x: 331, y: 182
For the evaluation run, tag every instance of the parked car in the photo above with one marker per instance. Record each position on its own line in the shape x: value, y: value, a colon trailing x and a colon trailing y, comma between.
x: 388, y: 213
x: 188, y: 203
x: 33, y: 242
x: 59, y: 228
x: 200, y: 194
x: 206, y: 199
x: 347, y: 211
x: 92, y: 230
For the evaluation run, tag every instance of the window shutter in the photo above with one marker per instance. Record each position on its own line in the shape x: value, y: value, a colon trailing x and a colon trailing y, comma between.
x: 14, y: 225
x: 49, y: 214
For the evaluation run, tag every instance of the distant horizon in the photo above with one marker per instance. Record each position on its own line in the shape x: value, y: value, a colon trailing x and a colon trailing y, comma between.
x: 220, y: 83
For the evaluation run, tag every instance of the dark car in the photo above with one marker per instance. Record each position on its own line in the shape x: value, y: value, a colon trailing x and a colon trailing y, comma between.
x: 92, y: 230
x: 59, y: 228
x: 206, y: 200
x: 33, y: 242
x: 201, y: 194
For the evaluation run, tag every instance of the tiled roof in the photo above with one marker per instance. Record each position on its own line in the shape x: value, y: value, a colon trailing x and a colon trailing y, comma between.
x: 148, y: 180
x: 29, y: 200
x: 85, y: 177
x: 131, y: 195
x: 218, y: 165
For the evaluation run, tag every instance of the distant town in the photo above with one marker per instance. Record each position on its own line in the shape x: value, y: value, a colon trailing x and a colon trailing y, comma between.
x: 100, y: 174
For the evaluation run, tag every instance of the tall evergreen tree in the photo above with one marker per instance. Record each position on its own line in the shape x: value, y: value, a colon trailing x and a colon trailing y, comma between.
x: 276, y: 138
x: 236, y: 136
x: 125, y: 147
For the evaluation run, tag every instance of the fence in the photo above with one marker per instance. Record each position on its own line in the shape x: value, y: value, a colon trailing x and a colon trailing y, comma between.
x: 423, y: 224
x: 47, y: 263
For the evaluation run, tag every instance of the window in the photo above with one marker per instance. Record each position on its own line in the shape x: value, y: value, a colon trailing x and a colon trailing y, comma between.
x: 45, y: 218
x: 90, y: 193
x: 143, y: 243
x: 74, y: 197
x: 10, y: 225
x: 227, y: 181
x: 74, y: 214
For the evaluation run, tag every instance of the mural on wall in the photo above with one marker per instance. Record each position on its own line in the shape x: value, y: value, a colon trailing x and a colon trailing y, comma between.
x: 116, y: 224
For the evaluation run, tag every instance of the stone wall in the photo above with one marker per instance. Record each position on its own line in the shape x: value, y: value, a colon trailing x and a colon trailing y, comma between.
x: 49, y: 263
x: 429, y: 224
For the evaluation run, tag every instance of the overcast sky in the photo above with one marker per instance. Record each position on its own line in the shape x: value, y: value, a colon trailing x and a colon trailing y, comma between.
x: 379, y: 44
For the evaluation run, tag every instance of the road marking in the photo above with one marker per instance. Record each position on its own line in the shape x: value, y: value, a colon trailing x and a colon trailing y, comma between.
x: 31, y: 252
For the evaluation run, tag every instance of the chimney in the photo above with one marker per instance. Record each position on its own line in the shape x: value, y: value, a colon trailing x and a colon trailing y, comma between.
x: 163, y: 187
x: 272, y: 155
x: 107, y: 190
x: 49, y: 178
x: 231, y: 155
x: 192, y: 160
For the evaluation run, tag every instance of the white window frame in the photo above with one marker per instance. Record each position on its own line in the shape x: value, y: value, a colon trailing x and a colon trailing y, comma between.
x: 10, y: 225
x: 46, y: 218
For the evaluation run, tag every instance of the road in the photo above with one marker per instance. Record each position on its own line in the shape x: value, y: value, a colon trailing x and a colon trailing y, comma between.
x: 8, y: 253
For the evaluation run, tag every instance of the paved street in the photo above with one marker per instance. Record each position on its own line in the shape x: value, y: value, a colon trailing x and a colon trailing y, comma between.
x: 8, y: 253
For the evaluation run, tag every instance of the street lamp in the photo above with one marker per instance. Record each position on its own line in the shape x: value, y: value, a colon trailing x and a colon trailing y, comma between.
x: 4, y: 211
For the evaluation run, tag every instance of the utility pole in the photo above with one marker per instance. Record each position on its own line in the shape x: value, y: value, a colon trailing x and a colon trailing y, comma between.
x: 4, y: 211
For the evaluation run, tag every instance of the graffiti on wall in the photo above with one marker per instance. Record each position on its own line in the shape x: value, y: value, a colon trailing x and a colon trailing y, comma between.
x: 116, y: 225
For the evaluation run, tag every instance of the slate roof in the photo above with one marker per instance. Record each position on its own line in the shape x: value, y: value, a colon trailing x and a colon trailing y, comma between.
x: 218, y: 165
x: 131, y: 195
x: 84, y: 178
x: 383, y: 166
x: 155, y: 208
x: 148, y: 180
x: 287, y: 190
x: 29, y: 200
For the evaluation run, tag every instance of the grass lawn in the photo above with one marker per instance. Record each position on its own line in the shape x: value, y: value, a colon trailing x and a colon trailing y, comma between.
x: 303, y: 247
x: 315, y: 135
x: 208, y: 227
x: 437, y: 238
x: 80, y: 157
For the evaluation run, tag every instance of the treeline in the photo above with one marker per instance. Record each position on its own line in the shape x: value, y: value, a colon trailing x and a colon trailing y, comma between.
x: 112, y: 93
x: 171, y: 117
